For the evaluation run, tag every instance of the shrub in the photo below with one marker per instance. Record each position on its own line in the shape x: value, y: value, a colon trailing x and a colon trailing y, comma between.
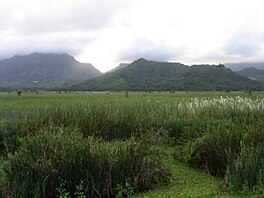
x: 19, y: 93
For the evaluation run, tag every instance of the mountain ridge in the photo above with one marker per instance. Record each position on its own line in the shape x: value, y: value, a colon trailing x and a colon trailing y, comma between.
x: 243, y: 65
x: 145, y: 75
x: 252, y: 73
x: 44, y: 71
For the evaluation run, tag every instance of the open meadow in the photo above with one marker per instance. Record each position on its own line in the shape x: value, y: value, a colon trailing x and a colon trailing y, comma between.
x: 132, y: 144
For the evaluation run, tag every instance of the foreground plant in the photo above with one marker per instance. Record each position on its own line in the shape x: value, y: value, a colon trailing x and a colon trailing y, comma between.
x: 58, y: 155
x: 245, y: 170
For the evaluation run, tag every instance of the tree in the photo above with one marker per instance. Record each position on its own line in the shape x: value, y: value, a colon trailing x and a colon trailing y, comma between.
x: 19, y: 93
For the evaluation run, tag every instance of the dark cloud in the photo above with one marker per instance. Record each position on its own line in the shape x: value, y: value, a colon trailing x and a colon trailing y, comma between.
x: 143, y: 48
x: 245, y: 43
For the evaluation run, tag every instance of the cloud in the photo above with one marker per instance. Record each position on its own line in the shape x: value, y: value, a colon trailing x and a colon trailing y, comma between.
x: 106, y: 32
x: 53, y: 16
x: 245, y: 43
x: 53, y: 26
x: 144, y: 48
x: 71, y: 42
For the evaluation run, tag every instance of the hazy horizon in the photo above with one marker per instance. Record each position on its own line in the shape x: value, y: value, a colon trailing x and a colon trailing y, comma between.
x: 106, y: 33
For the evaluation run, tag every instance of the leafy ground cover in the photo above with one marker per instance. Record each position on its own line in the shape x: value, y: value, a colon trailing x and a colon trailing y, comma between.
x: 185, y: 181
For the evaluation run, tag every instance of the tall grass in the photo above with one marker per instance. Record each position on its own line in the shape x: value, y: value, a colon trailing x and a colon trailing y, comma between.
x: 233, y: 148
x: 245, y: 170
x: 57, y: 156
x: 209, y: 151
x: 9, y: 137
x: 105, y: 131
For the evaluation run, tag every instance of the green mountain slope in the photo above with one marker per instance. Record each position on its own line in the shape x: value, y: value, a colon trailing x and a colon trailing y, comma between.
x: 39, y: 70
x: 144, y: 75
x: 253, y: 73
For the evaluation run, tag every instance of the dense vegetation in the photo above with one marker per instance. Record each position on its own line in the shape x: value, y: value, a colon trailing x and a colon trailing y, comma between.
x: 43, y: 71
x: 115, y: 144
x: 143, y: 75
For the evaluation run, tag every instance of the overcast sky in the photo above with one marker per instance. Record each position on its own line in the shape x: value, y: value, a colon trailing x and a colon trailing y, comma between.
x: 107, y: 32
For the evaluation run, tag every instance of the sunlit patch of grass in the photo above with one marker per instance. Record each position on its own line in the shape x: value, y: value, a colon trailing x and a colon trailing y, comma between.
x: 185, y: 182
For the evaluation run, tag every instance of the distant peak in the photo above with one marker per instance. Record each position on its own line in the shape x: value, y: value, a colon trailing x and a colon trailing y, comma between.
x: 37, y: 55
x: 42, y: 54
x: 141, y: 59
x: 220, y: 65
x: 251, y: 68
x: 52, y: 54
x: 122, y: 64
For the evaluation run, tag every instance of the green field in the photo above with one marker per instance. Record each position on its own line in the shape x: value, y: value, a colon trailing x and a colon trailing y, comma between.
x: 132, y: 144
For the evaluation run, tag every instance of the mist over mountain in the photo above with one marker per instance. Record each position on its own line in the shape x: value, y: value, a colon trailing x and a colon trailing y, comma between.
x: 120, y: 66
x: 43, y: 71
x: 252, y: 73
x: 144, y: 75
x: 240, y: 66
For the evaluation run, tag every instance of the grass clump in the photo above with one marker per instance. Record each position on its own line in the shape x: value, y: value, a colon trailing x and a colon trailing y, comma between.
x: 209, y: 152
x: 245, y: 170
x: 10, y: 132
x: 56, y: 156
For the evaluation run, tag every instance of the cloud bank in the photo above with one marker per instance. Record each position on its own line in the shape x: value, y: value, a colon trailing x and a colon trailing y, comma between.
x: 143, y: 48
x: 108, y: 32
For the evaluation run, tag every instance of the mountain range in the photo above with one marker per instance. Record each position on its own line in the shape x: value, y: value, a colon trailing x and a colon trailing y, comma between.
x: 43, y: 71
x: 240, y: 66
x: 144, y: 75
x: 252, y: 73
x: 63, y: 72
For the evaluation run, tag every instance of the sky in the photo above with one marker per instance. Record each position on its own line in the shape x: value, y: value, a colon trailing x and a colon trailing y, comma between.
x: 108, y: 32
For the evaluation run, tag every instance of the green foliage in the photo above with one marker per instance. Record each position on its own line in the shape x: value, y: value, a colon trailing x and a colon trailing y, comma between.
x: 143, y: 75
x: 43, y: 71
x: 10, y: 133
x: 249, y: 92
x: 252, y: 72
x: 3, y: 187
x: 245, y: 170
x: 124, y: 191
x: 79, y: 144
x: 62, y: 192
x: 79, y: 193
x: 19, y: 93
x: 185, y: 181
x: 56, y: 154
x: 209, y: 151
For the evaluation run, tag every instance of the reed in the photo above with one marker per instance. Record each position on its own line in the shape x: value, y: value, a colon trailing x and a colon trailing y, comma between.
x: 57, y: 141
x: 245, y: 170
x: 61, y: 156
